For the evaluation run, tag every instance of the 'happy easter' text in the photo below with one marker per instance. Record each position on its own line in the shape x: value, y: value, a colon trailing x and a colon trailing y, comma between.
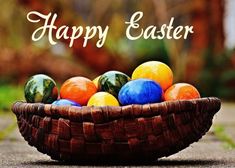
x: 72, y: 33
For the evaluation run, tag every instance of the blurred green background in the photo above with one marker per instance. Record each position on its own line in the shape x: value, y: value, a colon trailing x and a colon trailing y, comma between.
x: 206, y: 59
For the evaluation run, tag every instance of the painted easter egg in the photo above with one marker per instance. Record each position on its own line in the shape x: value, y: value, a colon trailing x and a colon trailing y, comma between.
x: 180, y: 91
x: 40, y: 88
x: 65, y: 102
x: 155, y: 70
x: 96, y: 80
x: 102, y: 99
x: 112, y: 82
x: 78, y: 89
x: 140, y: 91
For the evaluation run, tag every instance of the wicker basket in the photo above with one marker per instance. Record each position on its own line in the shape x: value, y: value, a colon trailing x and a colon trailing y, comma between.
x: 125, y: 133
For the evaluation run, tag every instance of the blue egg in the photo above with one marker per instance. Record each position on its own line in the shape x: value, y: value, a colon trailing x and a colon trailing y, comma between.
x: 65, y: 102
x: 140, y: 91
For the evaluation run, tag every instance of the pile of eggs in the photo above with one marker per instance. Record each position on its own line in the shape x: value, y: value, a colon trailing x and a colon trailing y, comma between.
x: 151, y: 82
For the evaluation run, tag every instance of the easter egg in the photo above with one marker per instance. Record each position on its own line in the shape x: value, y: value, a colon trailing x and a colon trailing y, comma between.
x: 140, y: 91
x: 181, y: 91
x: 102, y: 99
x: 78, y: 89
x: 96, y: 80
x: 112, y: 81
x: 155, y: 70
x: 40, y: 88
x: 65, y: 102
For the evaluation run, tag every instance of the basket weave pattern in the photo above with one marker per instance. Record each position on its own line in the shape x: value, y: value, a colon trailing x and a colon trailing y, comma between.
x: 127, y: 132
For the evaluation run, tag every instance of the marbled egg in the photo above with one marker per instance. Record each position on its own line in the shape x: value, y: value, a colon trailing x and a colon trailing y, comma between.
x: 140, y: 91
x: 65, y: 102
x: 40, y: 88
x: 112, y: 82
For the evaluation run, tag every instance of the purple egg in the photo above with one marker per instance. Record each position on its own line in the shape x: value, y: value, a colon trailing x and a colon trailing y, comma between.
x: 65, y: 102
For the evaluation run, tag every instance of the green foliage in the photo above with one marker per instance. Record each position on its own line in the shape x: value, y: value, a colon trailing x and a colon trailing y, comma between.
x: 8, y: 95
x: 218, y: 76
x: 9, y: 129
x: 151, y: 50
x: 222, y: 136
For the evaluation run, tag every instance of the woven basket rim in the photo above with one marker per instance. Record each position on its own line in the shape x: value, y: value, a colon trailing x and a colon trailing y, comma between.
x: 126, y: 132
x: 100, y: 114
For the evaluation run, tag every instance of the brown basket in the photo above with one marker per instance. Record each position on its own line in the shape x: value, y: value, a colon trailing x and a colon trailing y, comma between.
x: 125, y: 133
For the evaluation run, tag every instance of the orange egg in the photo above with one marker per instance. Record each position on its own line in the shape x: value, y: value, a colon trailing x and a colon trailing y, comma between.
x: 78, y: 89
x: 181, y: 91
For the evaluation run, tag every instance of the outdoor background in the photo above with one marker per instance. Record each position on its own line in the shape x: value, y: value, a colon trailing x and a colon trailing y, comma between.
x: 206, y: 59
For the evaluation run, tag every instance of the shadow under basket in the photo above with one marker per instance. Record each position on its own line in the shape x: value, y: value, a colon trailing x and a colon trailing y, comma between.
x: 133, y: 132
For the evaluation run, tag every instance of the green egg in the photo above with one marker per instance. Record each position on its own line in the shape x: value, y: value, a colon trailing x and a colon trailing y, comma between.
x: 40, y: 88
x: 112, y: 82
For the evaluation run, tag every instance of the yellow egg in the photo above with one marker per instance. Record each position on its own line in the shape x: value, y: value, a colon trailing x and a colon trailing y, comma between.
x: 96, y: 80
x: 102, y: 99
x: 155, y: 70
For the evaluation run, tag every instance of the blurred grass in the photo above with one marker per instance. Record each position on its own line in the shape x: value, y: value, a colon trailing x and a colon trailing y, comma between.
x: 220, y: 133
x: 7, y: 131
x: 8, y: 95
